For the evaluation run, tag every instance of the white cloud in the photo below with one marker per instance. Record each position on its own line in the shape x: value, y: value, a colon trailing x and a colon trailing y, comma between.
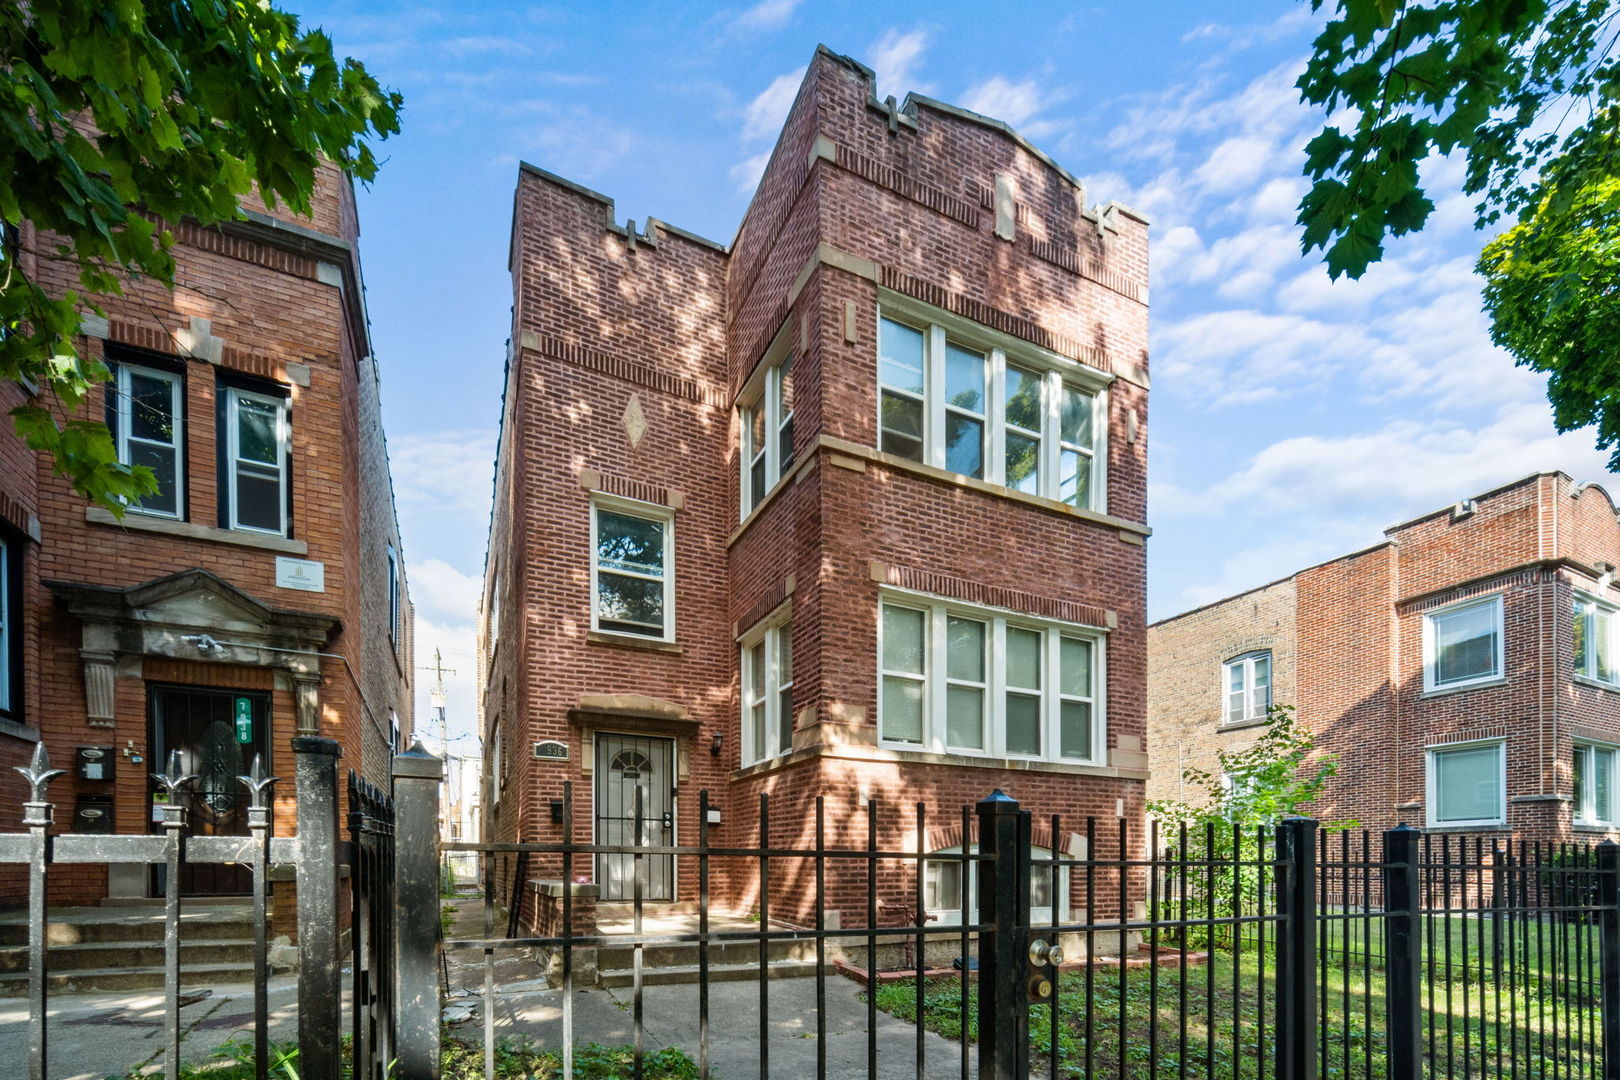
x: 1407, y: 466
x: 442, y: 482
x: 1236, y: 163
x: 1018, y: 103
x: 462, y: 48
x: 894, y: 56
x: 746, y: 173
x: 444, y: 594
x: 766, y: 15
x: 766, y: 113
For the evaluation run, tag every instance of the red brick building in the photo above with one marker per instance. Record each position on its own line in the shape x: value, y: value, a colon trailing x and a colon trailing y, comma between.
x: 1466, y: 671
x: 259, y: 595
x: 851, y: 508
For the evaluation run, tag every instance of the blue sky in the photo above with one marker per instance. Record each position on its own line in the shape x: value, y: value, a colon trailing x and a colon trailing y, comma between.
x: 1292, y: 418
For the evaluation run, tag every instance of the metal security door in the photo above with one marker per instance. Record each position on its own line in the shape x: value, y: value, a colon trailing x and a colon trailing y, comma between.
x: 216, y: 745
x: 625, y: 765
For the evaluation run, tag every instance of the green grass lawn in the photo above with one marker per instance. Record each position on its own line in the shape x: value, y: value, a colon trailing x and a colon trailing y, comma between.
x: 1218, y: 1021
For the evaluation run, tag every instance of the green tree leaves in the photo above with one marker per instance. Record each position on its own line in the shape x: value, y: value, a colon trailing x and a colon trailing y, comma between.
x: 1529, y: 92
x: 118, y: 116
x: 1552, y: 287
x: 1524, y: 87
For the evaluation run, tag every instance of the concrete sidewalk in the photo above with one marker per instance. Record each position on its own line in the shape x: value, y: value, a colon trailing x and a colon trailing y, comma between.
x: 91, y: 1036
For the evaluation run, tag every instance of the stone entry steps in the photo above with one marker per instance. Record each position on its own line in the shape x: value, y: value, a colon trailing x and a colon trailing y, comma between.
x: 664, y: 965
x: 121, y: 948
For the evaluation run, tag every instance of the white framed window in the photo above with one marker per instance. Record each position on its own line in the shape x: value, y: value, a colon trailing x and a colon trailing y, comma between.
x: 953, y: 398
x: 1462, y: 644
x: 1467, y: 784
x: 767, y: 693
x: 766, y: 423
x: 632, y: 568
x: 946, y: 887
x: 1597, y: 648
x: 1594, y: 785
x: 1246, y: 686
x: 958, y: 679
x: 257, y: 435
x: 144, y: 417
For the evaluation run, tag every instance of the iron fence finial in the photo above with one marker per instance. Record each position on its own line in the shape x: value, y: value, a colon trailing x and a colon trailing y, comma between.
x: 174, y: 778
x: 258, y: 783
x: 39, y: 773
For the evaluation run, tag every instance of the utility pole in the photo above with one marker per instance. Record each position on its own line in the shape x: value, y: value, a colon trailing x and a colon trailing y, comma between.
x: 450, y: 807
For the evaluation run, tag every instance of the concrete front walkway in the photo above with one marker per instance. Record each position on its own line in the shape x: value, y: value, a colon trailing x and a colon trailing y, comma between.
x: 670, y: 1018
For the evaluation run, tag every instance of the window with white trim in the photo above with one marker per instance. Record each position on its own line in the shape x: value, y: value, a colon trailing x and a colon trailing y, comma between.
x: 1594, y: 785
x: 766, y: 422
x: 144, y: 410
x: 1246, y: 686
x: 1467, y: 785
x: 1462, y: 644
x: 257, y: 436
x: 767, y: 693
x: 944, y: 894
x: 982, y: 413
x: 632, y: 572
x: 1597, y: 647
x: 961, y: 680
x: 492, y: 608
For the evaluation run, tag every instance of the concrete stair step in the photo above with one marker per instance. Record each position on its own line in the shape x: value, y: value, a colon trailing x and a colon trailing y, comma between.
x: 686, y: 954
x: 203, y: 976
x: 109, y: 955
x: 121, y: 927
x: 668, y: 976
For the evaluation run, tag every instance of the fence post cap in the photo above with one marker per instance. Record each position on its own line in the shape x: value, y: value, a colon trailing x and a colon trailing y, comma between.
x: 419, y: 763
x: 1403, y: 827
x: 316, y: 744
x: 999, y: 802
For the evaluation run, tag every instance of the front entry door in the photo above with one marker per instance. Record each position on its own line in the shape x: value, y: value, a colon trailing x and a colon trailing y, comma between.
x: 217, y: 733
x: 625, y: 766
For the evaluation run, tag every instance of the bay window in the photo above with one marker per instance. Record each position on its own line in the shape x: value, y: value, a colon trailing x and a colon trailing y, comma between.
x: 143, y: 415
x: 766, y: 423
x: 1467, y: 785
x: 1597, y: 652
x: 963, y: 680
x: 1015, y: 416
x: 767, y: 693
x: 1594, y: 785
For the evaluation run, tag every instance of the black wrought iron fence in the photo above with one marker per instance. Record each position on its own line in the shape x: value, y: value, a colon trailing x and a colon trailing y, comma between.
x: 1066, y: 948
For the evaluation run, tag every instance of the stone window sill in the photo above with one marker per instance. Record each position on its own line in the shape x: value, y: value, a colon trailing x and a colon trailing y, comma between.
x: 1240, y: 725
x: 1483, y: 684
x: 630, y: 641
x: 1596, y: 684
x: 18, y: 731
x: 187, y: 530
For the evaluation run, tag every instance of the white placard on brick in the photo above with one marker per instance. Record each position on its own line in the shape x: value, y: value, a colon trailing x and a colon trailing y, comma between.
x: 305, y: 575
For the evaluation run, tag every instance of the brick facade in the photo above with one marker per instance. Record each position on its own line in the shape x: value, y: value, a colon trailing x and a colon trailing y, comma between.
x: 281, y: 300
x: 1349, y: 652
x: 631, y: 351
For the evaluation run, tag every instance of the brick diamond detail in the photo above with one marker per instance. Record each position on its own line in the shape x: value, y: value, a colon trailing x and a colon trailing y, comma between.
x: 635, y: 421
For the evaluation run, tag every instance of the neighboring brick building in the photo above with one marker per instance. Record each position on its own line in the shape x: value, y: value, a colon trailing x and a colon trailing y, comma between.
x: 1466, y: 671
x: 707, y: 528
x: 261, y: 594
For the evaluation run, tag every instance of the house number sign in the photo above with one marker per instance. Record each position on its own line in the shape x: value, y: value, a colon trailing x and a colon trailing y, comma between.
x: 551, y: 750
